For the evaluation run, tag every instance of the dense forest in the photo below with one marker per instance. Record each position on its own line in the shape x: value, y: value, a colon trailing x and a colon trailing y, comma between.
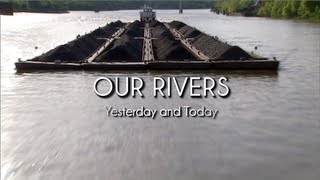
x: 291, y: 9
x: 96, y: 5
x: 300, y: 9
x: 232, y: 5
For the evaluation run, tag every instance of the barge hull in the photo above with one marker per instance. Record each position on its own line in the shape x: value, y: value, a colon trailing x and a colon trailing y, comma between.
x: 158, y: 65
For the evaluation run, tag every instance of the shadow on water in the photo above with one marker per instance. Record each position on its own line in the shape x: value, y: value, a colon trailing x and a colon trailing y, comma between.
x: 233, y: 73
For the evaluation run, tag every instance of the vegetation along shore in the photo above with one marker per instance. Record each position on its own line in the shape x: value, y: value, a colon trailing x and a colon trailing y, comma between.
x: 285, y: 9
x: 54, y: 6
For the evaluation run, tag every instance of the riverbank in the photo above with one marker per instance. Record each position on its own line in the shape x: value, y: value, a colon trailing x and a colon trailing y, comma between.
x: 43, y: 11
x: 48, y: 6
x: 249, y: 14
x: 303, y: 10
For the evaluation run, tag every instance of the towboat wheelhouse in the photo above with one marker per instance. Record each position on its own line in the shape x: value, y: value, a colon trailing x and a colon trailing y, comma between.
x: 147, y: 15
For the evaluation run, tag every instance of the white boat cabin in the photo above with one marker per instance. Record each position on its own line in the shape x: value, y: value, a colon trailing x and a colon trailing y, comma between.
x: 147, y: 15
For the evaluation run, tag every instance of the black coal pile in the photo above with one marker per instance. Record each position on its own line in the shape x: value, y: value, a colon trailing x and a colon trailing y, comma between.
x: 155, y: 23
x: 177, y: 24
x: 187, y: 31
x: 127, y: 47
x: 211, y: 46
x: 80, y: 48
x: 166, y: 47
x: 135, y: 29
x: 124, y: 49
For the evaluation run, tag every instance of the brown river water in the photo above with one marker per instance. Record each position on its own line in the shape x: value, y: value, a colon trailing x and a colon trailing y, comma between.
x: 53, y: 126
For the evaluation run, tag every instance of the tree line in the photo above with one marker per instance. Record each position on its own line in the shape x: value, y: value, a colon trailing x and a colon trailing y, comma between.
x: 301, y: 9
x: 291, y: 9
x: 96, y: 5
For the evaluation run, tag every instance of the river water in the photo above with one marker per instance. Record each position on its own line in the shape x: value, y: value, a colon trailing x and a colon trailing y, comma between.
x: 53, y: 126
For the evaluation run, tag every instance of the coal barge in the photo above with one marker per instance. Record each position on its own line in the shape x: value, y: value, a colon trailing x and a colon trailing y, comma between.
x: 147, y: 45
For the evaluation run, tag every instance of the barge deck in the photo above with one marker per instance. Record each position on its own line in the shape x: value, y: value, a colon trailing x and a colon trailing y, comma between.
x: 147, y: 45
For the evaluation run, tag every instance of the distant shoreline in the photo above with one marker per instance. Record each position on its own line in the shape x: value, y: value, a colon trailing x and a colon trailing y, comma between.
x: 239, y: 14
x: 48, y: 12
x: 66, y: 12
x: 49, y: 6
x: 303, y: 10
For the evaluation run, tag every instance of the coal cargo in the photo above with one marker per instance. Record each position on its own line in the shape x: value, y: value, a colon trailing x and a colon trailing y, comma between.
x: 147, y: 44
